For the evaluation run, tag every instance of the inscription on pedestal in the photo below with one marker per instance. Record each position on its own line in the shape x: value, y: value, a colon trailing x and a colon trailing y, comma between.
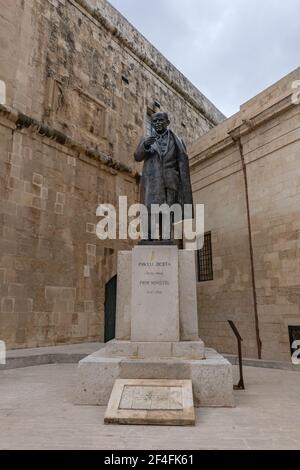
x: 155, y: 296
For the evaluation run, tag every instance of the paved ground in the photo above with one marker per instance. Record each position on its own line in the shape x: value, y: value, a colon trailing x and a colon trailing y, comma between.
x: 37, y: 412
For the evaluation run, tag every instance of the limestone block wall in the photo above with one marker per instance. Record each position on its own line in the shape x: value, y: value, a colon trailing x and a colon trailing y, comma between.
x: 219, y: 186
x: 259, y: 147
x: 81, y: 67
x: 53, y: 267
x: 274, y: 185
x: 79, y: 82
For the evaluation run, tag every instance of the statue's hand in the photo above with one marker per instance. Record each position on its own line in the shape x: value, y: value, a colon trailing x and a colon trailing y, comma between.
x: 149, y: 141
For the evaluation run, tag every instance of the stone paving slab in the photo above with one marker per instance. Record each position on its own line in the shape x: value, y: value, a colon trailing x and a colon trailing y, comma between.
x: 159, y: 402
x: 37, y: 412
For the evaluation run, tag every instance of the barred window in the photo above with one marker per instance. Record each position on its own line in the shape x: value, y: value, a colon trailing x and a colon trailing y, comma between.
x: 204, y: 258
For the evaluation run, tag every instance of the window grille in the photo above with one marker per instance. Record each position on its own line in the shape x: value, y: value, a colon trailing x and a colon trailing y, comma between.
x: 205, y: 264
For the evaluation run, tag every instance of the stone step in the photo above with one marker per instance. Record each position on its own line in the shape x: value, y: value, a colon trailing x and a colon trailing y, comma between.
x: 144, y: 350
x: 211, y: 377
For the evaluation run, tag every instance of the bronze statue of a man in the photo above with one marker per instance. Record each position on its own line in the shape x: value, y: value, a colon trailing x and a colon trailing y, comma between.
x: 166, y: 174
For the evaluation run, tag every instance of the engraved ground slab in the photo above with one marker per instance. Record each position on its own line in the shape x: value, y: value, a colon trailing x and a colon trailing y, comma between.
x: 151, y: 398
x: 160, y: 402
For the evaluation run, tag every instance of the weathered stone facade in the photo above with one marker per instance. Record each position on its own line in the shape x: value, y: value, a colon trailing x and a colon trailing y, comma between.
x: 79, y: 81
x: 247, y: 173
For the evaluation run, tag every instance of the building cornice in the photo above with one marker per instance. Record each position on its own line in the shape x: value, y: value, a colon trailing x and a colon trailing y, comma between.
x: 143, y: 50
x: 275, y: 100
x: 22, y: 121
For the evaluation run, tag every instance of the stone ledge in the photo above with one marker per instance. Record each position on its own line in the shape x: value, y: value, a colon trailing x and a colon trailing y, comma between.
x: 65, y: 354
x: 261, y: 363
x: 22, y: 121
x: 144, y: 350
x: 72, y: 354
x: 269, y: 103
x: 211, y: 377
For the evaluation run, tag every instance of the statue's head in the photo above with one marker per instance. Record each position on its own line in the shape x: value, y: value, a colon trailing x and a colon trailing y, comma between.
x: 160, y: 122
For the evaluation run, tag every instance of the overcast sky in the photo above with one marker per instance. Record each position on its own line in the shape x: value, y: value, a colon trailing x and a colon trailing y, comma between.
x: 230, y: 49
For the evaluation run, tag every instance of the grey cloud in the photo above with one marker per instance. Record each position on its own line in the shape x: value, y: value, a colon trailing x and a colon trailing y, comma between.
x: 231, y: 50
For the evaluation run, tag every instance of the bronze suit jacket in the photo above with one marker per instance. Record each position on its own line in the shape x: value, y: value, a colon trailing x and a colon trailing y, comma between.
x: 161, y: 172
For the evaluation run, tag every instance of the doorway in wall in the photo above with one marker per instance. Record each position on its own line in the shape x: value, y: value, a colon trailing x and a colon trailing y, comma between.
x: 110, y: 308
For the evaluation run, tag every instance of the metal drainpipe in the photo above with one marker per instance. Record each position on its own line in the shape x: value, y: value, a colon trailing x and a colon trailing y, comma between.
x: 237, y: 140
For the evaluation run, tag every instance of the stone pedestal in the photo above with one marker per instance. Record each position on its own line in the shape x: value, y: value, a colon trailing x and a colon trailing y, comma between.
x: 184, y: 294
x: 156, y: 331
x: 155, y: 294
x: 211, y: 377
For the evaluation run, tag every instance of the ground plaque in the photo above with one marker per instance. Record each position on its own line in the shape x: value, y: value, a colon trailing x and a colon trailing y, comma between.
x: 160, y: 402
